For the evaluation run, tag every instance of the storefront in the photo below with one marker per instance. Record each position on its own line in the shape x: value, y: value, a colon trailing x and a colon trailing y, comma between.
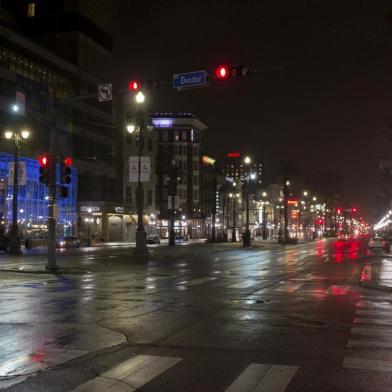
x: 110, y: 222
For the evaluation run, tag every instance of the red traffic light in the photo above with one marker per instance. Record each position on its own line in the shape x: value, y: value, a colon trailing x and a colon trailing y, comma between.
x: 338, y: 210
x: 43, y: 160
x: 134, y: 85
x: 354, y: 210
x: 222, y: 72
x: 320, y: 221
x: 68, y: 161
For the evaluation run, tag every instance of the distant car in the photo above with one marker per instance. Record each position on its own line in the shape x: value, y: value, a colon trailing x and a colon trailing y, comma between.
x: 153, y: 239
x: 69, y: 242
x: 180, y: 237
x: 377, y: 243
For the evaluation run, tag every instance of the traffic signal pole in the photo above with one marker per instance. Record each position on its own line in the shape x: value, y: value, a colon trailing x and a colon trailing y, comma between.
x: 52, y: 218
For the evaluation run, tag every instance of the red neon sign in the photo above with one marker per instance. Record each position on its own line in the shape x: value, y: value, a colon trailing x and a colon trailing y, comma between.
x: 233, y: 154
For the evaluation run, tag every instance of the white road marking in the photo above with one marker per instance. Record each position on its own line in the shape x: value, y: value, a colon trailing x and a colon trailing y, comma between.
x: 372, y: 331
x: 362, y: 320
x: 368, y: 364
x: 373, y: 312
x: 369, y: 343
x: 129, y: 375
x: 277, y: 379
x: 291, y: 287
x: 249, y: 378
x: 196, y: 282
x: 243, y: 285
x: 337, y: 290
x: 263, y: 378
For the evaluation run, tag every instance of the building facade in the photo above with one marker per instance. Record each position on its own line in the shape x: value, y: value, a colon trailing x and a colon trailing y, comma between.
x: 179, y: 138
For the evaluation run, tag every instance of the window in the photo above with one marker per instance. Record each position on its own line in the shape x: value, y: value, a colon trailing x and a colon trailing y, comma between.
x: 31, y: 10
x: 176, y: 136
x: 165, y: 136
x: 195, y: 180
x: 184, y: 136
x: 149, y: 197
x: 195, y: 195
x: 195, y: 151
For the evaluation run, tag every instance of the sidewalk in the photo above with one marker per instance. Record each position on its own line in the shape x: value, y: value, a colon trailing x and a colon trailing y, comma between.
x: 378, y: 275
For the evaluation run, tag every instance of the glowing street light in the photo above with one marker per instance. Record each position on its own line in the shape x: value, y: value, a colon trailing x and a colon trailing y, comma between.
x: 140, y: 98
x: 131, y: 128
x: 247, y: 160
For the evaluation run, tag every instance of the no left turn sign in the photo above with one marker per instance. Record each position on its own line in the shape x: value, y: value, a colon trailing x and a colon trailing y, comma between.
x: 105, y: 92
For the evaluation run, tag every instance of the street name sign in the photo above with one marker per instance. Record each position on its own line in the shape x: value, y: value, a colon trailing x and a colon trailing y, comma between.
x: 145, y: 169
x: 190, y: 80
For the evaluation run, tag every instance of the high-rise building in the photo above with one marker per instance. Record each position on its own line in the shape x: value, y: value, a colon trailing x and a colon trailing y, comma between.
x: 235, y: 168
x: 56, y: 50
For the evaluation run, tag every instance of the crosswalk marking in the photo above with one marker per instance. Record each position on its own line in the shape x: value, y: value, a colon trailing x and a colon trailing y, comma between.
x: 373, y: 312
x: 337, y: 290
x: 129, y: 375
x: 372, y: 331
x: 289, y: 286
x: 277, y: 379
x: 243, y: 285
x: 263, y: 378
x: 196, y: 282
x: 369, y: 343
x: 249, y: 378
x: 375, y: 321
x: 368, y: 364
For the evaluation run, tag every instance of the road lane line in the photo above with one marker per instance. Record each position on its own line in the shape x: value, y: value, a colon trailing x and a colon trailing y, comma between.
x: 129, y: 375
x: 367, y: 364
x: 263, y: 378
x: 369, y: 343
x: 242, y: 285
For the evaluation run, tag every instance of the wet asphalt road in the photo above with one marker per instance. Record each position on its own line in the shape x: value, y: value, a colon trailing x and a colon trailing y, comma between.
x: 197, y: 318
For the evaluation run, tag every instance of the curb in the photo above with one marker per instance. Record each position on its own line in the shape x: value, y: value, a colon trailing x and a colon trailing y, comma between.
x: 366, y: 280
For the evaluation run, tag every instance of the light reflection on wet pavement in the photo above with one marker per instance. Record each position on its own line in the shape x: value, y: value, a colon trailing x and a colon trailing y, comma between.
x: 48, y: 320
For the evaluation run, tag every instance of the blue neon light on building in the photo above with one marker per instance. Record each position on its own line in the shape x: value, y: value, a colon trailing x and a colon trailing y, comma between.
x: 33, y: 198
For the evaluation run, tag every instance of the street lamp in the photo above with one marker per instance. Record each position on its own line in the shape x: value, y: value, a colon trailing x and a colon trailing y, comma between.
x: 248, y: 177
x: 138, y: 128
x: 264, y: 203
x: 234, y: 197
x: 17, y: 136
x: 140, y: 97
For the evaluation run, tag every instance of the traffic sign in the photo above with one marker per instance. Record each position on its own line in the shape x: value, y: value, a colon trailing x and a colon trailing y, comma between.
x: 190, y: 79
x: 105, y: 92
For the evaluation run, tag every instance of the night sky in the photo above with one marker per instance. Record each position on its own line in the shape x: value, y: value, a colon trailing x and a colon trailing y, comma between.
x: 323, y: 100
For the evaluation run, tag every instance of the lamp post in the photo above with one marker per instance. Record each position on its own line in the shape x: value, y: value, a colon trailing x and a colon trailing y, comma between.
x: 138, y: 128
x: 264, y: 214
x: 247, y: 238
x: 16, y: 136
x: 234, y: 197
